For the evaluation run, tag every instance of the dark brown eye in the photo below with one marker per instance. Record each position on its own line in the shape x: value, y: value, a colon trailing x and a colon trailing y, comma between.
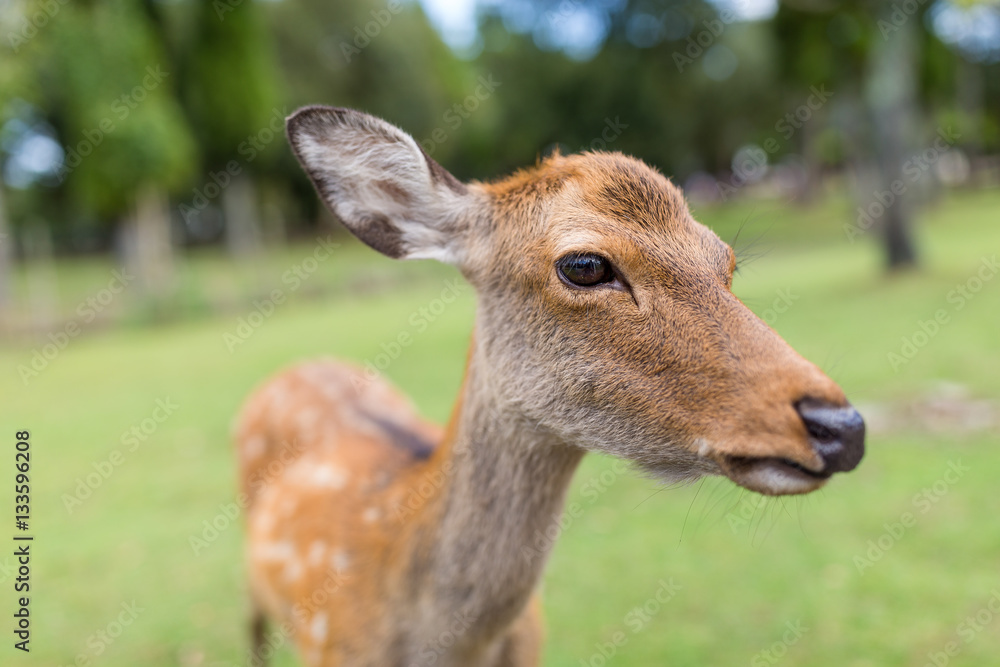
x: 585, y: 270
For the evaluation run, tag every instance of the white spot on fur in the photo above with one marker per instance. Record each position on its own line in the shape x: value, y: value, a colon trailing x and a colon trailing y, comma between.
x: 316, y: 552
x: 371, y: 514
x: 329, y: 476
x: 293, y: 570
x: 318, y: 627
x: 341, y: 561
x: 275, y: 551
x: 704, y: 449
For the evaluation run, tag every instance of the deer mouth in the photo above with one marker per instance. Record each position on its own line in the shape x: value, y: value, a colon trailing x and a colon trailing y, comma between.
x: 772, y: 476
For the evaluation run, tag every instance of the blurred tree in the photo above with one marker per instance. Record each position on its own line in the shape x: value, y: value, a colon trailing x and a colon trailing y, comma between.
x: 817, y: 48
x: 892, y: 75
x: 679, y: 83
x: 110, y: 93
x: 231, y: 97
x: 691, y: 96
x: 16, y: 83
x: 6, y: 241
x: 891, y: 95
x: 381, y: 56
x: 868, y: 67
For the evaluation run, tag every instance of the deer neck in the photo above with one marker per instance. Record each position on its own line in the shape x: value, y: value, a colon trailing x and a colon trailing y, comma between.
x: 507, y: 480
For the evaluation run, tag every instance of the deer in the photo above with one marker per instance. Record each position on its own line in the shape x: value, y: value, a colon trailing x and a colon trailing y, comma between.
x: 605, y: 322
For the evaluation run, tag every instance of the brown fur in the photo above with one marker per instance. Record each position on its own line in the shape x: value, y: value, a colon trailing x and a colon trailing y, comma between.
x: 412, y: 531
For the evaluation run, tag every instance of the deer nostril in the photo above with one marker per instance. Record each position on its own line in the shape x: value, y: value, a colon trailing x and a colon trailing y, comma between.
x: 818, y: 430
x: 837, y: 433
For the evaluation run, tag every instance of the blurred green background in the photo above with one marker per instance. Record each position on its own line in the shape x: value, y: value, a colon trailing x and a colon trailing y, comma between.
x: 150, y: 210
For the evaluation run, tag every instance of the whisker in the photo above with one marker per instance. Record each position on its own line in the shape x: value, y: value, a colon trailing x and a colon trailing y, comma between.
x: 659, y: 490
x: 774, y: 523
x: 688, y: 513
x: 725, y: 494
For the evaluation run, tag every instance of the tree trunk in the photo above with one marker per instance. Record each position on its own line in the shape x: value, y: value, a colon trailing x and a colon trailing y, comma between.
x: 239, y: 205
x: 891, y: 94
x: 6, y: 255
x: 147, y: 246
x: 811, y: 168
x: 970, y: 80
x: 274, y: 204
x: 40, y: 277
x: 970, y: 94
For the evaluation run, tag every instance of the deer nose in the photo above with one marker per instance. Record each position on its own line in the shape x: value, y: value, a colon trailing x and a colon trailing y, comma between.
x: 837, y: 434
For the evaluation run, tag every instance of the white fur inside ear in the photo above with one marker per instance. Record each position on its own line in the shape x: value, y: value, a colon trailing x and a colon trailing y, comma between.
x: 379, y: 182
x: 442, y: 253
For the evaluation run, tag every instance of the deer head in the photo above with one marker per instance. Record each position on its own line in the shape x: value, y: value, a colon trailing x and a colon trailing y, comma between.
x: 606, y: 314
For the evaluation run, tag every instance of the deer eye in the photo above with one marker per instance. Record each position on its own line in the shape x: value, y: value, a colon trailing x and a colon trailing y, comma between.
x: 585, y: 270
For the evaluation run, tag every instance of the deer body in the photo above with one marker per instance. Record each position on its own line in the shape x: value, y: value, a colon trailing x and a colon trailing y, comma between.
x: 605, y: 324
x: 346, y: 538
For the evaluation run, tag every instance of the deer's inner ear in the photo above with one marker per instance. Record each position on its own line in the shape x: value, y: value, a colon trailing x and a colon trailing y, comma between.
x: 380, y: 183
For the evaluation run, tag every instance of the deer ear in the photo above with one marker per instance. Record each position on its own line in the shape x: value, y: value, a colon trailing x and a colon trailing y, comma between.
x: 380, y: 183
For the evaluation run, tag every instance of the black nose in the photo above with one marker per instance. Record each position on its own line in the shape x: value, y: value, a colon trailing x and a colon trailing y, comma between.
x: 838, y: 434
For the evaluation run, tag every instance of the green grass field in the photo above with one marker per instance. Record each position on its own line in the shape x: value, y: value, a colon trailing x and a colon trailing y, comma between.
x: 834, y: 578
